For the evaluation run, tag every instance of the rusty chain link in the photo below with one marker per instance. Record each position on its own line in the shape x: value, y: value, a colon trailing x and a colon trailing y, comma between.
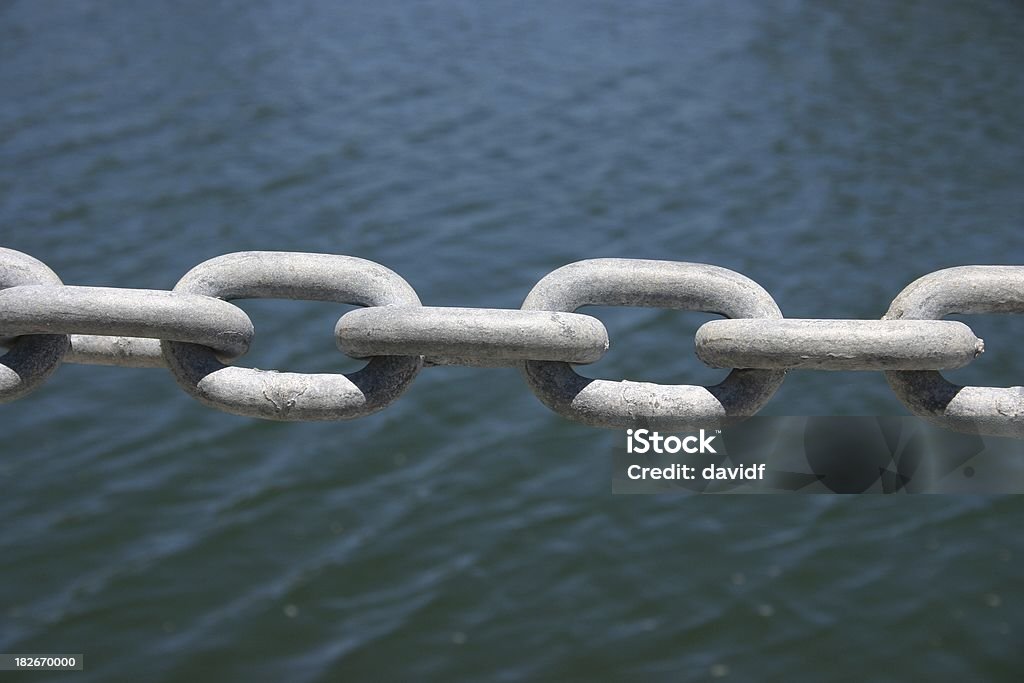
x: 195, y: 333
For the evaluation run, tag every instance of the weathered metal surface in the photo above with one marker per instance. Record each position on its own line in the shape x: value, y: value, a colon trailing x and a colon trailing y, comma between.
x: 964, y: 290
x: 30, y: 360
x: 49, y: 309
x: 125, y: 352
x: 837, y: 344
x: 284, y: 395
x: 662, y: 284
x: 193, y: 332
x: 471, y: 336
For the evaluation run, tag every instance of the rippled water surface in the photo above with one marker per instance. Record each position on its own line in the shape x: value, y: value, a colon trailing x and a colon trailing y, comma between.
x: 831, y: 151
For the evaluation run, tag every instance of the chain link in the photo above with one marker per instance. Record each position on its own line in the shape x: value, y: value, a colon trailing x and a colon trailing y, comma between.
x: 138, y: 313
x: 483, y: 337
x: 31, y: 359
x: 965, y: 290
x: 288, y: 395
x: 654, y: 284
x: 837, y: 344
x: 193, y: 331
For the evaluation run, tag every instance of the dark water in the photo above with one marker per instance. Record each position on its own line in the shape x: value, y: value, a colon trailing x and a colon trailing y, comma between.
x: 831, y: 151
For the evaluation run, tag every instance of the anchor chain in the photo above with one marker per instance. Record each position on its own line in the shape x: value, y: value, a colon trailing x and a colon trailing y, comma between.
x: 194, y: 332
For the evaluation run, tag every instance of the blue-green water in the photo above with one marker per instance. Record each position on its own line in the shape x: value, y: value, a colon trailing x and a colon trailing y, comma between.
x: 831, y: 151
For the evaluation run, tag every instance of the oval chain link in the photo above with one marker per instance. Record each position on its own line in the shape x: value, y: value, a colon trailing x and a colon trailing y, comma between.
x: 31, y: 359
x: 927, y: 394
x: 659, y: 284
x: 482, y: 337
x: 131, y: 313
x: 293, y: 396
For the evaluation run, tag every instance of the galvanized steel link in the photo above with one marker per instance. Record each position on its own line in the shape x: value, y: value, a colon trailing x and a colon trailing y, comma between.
x: 135, y: 313
x: 965, y: 290
x: 661, y: 284
x: 793, y: 343
x: 99, y: 349
x: 484, y: 337
x: 125, y: 352
x: 286, y: 395
x: 31, y: 359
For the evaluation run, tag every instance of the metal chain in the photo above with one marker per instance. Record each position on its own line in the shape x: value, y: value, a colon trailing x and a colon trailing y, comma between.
x: 195, y: 333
